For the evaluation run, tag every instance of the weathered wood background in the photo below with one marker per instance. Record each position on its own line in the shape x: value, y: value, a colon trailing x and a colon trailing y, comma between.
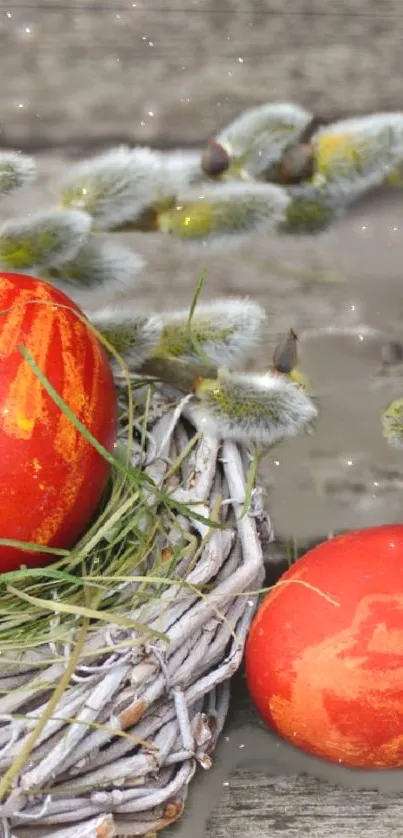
x: 172, y: 71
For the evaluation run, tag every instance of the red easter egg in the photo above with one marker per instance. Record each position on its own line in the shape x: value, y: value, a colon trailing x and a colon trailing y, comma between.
x: 324, y: 657
x: 51, y: 478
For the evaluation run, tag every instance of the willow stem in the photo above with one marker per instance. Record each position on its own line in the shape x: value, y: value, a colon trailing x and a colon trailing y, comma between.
x: 178, y: 373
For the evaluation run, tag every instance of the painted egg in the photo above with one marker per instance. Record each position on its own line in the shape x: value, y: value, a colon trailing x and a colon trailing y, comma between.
x: 324, y: 657
x: 51, y: 477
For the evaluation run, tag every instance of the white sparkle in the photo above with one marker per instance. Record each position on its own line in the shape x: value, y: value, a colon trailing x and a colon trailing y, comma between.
x: 352, y: 308
x: 28, y: 30
x: 276, y: 462
x: 240, y: 60
x: 360, y: 337
x: 376, y: 483
x: 349, y: 462
x: 150, y: 113
x: 21, y: 105
x: 151, y: 43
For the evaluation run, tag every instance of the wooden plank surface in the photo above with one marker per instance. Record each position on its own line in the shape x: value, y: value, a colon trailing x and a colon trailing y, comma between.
x: 175, y: 71
x: 259, y: 805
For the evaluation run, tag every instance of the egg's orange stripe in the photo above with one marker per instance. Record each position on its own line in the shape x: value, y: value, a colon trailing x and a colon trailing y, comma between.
x: 11, y: 322
x: 24, y: 404
x: 74, y: 481
x: 67, y: 435
x: 93, y: 398
x: 5, y: 285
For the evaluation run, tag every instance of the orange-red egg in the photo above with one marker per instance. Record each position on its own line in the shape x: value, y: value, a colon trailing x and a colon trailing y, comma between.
x: 324, y: 657
x: 51, y: 477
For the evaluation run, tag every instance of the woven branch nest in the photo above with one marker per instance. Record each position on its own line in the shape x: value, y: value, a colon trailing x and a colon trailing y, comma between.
x: 169, y: 700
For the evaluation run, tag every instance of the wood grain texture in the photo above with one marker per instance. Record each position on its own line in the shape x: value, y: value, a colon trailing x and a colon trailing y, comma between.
x: 258, y: 806
x: 176, y: 71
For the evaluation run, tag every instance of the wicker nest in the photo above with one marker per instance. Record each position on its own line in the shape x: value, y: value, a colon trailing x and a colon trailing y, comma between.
x: 136, y: 720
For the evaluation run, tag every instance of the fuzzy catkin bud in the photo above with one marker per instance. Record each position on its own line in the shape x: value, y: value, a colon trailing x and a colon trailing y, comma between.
x: 98, y: 264
x: 114, y: 188
x: 224, y: 332
x: 132, y: 334
x: 259, y: 408
x: 179, y: 171
x: 228, y: 209
x: 16, y: 170
x: 354, y: 155
x: 392, y: 423
x: 310, y: 211
x: 259, y: 136
x: 44, y: 239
